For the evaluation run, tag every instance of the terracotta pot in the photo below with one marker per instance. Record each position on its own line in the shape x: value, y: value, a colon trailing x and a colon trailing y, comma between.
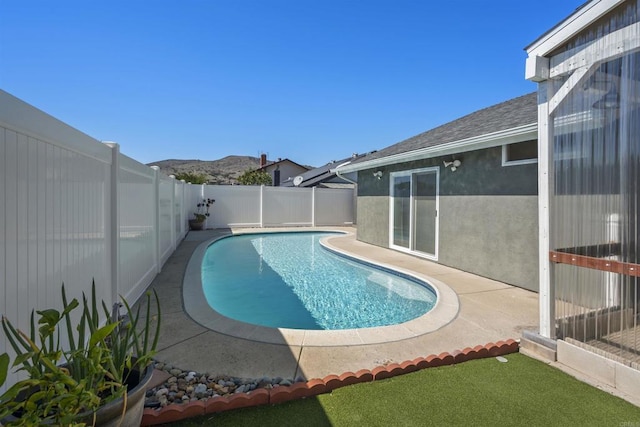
x: 194, y: 224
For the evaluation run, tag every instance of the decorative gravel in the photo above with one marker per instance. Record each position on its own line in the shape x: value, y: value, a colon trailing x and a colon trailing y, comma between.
x: 188, y: 386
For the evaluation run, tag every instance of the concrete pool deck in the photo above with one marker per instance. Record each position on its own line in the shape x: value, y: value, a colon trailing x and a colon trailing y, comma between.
x: 485, y: 311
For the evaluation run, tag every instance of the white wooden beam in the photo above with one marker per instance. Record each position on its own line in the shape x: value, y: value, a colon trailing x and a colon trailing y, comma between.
x: 546, y: 292
x: 575, y: 79
x: 537, y: 69
x: 576, y: 22
x: 604, y: 49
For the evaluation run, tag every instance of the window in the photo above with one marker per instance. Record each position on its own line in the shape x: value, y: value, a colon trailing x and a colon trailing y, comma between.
x: 520, y: 153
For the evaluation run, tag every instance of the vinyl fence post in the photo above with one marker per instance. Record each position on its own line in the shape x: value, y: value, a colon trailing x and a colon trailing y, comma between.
x: 188, y: 198
x: 173, y: 213
x: 261, y: 206
x: 313, y: 206
x: 114, y: 213
x: 200, y: 198
x: 156, y: 217
x: 183, y: 221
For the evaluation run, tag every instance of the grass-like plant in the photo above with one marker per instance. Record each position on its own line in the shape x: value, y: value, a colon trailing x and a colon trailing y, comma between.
x: 62, y: 384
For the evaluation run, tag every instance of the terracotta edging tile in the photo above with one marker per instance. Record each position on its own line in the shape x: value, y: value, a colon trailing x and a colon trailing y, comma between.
x: 172, y: 413
x: 421, y: 363
x: 441, y: 359
x: 332, y: 382
x: 318, y: 386
x: 292, y: 392
x: 216, y: 404
x: 362, y: 376
x: 244, y: 400
x: 237, y: 401
x: 409, y: 366
x: 387, y: 371
x: 481, y: 351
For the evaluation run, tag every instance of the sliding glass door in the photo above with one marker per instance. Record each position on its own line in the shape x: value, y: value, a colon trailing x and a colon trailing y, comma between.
x: 401, y: 210
x: 414, y: 212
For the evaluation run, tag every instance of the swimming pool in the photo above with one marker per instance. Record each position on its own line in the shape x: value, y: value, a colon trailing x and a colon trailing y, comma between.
x: 287, y: 280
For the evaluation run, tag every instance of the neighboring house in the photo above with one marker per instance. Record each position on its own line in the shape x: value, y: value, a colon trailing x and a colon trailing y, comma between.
x: 588, y: 74
x: 280, y: 170
x: 324, y: 176
x: 463, y: 194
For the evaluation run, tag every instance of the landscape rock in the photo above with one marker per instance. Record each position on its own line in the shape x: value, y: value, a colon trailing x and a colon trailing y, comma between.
x: 189, y: 386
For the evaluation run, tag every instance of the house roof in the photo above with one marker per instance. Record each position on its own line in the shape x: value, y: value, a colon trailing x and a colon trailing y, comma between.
x: 279, y: 162
x: 511, y: 121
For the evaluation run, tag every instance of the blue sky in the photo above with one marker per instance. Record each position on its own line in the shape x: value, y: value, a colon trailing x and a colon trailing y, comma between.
x: 308, y: 80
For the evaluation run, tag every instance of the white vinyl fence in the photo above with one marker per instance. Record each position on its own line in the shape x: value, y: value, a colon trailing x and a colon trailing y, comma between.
x: 261, y: 206
x: 74, y: 210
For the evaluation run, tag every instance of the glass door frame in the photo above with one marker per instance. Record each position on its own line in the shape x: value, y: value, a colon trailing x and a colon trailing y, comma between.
x: 410, y: 173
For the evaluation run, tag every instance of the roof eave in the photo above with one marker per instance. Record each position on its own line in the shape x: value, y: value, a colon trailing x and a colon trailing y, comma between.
x: 569, y: 27
x: 494, y: 139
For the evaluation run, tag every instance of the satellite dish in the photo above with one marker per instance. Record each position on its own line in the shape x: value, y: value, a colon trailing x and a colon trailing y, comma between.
x: 298, y: 180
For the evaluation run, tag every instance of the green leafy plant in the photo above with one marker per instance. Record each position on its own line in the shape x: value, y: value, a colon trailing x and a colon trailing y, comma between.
x: 255, y: 177
x: 62, y: 384
x: 202, y: 212
x: 192, y: 177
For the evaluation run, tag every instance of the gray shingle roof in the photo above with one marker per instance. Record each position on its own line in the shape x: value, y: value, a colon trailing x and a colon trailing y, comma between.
x: 516, y: 112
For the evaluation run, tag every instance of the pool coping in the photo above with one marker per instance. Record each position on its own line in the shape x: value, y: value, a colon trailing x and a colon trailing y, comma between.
x: 444, y: 312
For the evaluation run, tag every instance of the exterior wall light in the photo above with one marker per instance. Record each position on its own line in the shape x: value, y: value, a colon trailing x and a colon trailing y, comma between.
x: 378, y: 174
x: 454, y: 164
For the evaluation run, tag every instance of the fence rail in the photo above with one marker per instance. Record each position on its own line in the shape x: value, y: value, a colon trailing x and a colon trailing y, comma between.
x: 253, y: 206
x: 75, y: 210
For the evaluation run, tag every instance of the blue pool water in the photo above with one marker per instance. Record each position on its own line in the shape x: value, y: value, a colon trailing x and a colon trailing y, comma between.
x: 287, y: 280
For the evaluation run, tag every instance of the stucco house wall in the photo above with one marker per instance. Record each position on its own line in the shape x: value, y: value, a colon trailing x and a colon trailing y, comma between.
x: 488, y: 214
x: 287, y: 168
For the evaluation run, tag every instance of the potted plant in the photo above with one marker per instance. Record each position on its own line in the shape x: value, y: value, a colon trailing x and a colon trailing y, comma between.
x: 201, y: 214
x: 99, y: 379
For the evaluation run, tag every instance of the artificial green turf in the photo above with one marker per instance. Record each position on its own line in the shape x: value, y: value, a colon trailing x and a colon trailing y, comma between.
x: 521, y: 392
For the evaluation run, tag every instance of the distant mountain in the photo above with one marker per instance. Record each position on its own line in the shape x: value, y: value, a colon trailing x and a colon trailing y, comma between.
x: 222, y: 171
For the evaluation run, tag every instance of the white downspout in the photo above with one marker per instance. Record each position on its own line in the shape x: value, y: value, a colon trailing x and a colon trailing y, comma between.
x: 337, y: 171
x: 355, y: 184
